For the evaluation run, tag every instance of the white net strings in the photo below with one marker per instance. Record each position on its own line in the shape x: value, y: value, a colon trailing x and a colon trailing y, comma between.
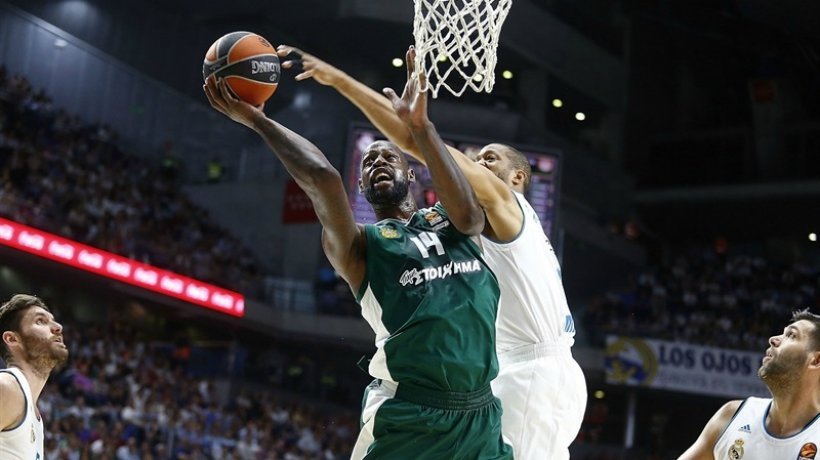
x: 458, y: 38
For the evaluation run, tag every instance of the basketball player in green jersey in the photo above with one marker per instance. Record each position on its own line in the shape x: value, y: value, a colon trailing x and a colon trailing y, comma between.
x: 421, y: 282
x: 32, y: 346
x: 534, y: 326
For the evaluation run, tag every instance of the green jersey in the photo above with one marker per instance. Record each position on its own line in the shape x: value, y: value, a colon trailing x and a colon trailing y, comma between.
x: 431, y: 300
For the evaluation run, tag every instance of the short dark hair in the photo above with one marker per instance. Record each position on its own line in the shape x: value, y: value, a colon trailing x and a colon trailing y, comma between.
x: 805, y: 314
x: 11, y: 315
x: 519, y: 161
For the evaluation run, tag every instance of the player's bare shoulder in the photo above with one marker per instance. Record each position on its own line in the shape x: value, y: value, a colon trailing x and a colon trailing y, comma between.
x: 9, y: 386
x: 12, y: 400
x: 728, y: 410
x: 718, y: 423
x: 702, y: 448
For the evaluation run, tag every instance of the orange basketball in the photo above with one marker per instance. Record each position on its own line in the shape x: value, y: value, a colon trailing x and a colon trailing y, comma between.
x: 809, y: 450
x: 247, y: 62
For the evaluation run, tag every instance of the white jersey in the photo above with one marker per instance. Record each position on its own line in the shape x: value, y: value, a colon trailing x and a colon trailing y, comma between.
x: 746, y: 437
x: 25, y: 440
x: 533, y: 307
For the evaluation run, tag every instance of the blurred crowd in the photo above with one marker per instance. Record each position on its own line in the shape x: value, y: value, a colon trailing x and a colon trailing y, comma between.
x: 707, y: 298
x: 70, y: 178
x: 123, y: 398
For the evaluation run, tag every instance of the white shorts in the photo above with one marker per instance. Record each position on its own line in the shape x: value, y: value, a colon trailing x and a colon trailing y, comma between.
x: 544, y: 395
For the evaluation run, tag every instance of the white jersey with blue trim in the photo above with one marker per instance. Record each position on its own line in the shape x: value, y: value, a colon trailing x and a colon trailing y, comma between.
x: 746, y: 437
x: 533, y: 306
x: 23, y: 441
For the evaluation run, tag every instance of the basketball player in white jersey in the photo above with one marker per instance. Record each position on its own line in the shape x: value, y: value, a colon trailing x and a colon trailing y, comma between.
x: 784, y: 426
x: 541, y: 386
x: 32, y: 347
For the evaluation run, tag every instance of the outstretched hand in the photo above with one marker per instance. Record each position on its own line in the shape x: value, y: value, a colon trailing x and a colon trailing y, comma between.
x: 312, y: 67
x: 221, y: 98
x: 411, y: 107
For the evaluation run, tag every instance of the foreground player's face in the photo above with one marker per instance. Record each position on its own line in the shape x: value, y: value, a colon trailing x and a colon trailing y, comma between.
x: 494, y: 158
x: 788, y: 355
x: 41, y: 338
x: 385, y: 174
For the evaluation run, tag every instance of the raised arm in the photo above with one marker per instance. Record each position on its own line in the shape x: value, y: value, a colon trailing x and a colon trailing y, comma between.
x: 503, y: 212
x: 449, y: 182
x: 703, y: 447
x: 373, y: 105
x: 342, y: 239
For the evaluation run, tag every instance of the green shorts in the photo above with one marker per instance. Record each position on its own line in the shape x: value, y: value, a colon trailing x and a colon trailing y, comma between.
x: 403, y: 422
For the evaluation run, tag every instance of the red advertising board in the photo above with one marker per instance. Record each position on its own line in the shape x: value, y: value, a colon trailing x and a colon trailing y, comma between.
x: 120, y: 268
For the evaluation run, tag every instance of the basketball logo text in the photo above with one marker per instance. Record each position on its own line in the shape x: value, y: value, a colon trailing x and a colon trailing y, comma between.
x: 264, y: 67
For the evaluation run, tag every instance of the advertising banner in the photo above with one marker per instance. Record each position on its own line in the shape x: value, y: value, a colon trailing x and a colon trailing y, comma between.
x: 120, y: 268
x: 683, y: 367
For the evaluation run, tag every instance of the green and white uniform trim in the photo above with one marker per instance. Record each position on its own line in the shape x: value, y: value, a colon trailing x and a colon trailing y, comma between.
x: 431, y: 300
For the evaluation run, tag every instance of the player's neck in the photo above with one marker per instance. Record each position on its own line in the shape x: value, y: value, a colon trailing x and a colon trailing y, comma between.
x: 792, y: 411
x: 36, y: 377
x: 402, y: 211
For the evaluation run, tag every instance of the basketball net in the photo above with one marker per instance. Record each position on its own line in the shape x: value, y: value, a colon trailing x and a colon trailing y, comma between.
x: 456, y: 42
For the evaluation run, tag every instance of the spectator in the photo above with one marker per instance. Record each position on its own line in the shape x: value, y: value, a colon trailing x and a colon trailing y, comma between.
x: 706, y: 298
x: 72, y: 179
x: 88, y: 415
